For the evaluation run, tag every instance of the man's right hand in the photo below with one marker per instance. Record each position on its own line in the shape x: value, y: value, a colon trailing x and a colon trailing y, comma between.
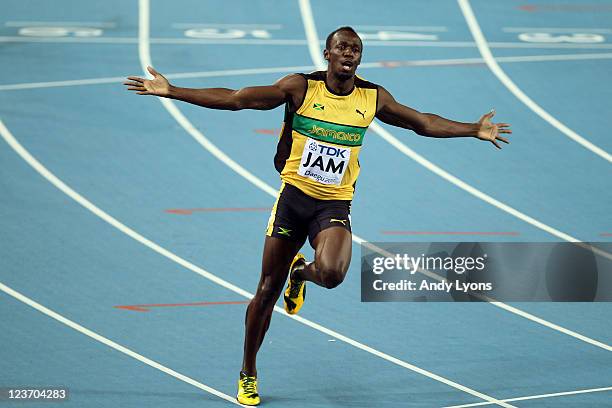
x: 158, y: 86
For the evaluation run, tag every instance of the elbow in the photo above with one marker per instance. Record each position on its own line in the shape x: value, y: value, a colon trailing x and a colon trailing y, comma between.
x: 428, y: 126
x: 235, y: 103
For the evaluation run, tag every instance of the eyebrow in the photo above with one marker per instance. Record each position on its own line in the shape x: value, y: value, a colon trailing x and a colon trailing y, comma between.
x: 349, y: 43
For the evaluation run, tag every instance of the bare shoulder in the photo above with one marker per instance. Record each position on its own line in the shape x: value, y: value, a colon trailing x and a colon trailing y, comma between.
x: 292, y: 83
x: 384, y: 98
x: 294, y: 87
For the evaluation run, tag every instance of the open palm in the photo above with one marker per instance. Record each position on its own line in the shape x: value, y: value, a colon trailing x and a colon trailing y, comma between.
x: 158, y: 86
x: 490, y: 131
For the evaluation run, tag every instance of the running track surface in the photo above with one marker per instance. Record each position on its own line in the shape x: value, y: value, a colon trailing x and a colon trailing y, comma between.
x: 130, y: 160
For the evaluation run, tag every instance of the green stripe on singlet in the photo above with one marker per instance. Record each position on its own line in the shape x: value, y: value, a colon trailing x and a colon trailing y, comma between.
x: 329, y: 132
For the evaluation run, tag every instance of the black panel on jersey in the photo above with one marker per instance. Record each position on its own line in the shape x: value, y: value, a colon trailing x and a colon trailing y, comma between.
x: 283, y: 149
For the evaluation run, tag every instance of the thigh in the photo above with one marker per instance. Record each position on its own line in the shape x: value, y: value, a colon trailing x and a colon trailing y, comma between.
x: 277, y: 256
x: 329, y: 214
x: 333, y: 249
x: 289, y: 216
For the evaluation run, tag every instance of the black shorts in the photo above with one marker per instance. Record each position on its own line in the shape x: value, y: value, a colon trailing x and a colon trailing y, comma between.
x: 296, y: 215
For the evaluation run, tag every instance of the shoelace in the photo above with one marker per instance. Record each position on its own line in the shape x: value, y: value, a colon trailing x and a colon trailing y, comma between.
x: 248, y: 383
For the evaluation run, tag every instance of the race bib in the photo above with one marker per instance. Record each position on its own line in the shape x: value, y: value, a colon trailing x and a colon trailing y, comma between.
x: 324, y: 163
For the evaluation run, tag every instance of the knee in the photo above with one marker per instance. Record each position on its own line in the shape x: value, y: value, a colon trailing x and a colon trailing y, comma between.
x: 332, y: 276
x: 267, y: 295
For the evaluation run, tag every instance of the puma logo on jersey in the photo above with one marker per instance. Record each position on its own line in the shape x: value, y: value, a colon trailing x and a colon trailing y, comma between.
x: 359, y: 112
x: 343, y: 222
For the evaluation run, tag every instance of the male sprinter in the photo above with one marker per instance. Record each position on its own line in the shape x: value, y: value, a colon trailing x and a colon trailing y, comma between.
x: 326, y: 117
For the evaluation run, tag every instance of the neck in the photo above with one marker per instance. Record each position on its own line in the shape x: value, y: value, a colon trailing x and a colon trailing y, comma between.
x: 339, y: 85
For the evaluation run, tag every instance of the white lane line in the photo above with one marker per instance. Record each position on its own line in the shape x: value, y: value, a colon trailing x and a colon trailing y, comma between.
x: 316, y: 55
x: 559, y: 57
x: 555, y: 30
x: 531, y: 397
x: 282, y: 42
x: 401, y: 28
x: 133, y: 40
x: 145, y: 60
x: 200, y: 74
x: 59, y: 24
x: 246, y: 71
x: 227, y: 25
x: 278, y: 70
x: 61, y: 40
x: 122, y: 349
x: 43, y: 171
x: 548, y: 45
x: 466, y: 61
x: 481, y: 42
x: 53, y: 84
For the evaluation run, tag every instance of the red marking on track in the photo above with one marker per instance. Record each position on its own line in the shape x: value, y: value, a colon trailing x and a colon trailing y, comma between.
x: 145, y: 308
x: 189, y: 211
x: 528, y: 7
x: 512, y: 233
x: 390, y: 64
x: 267, y: 131
x: 606, y: 234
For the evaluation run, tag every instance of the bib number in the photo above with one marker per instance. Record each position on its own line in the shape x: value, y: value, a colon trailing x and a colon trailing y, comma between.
x: 324, y: 163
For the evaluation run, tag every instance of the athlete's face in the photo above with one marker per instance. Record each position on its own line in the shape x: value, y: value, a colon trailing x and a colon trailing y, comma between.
x: 344, y: 54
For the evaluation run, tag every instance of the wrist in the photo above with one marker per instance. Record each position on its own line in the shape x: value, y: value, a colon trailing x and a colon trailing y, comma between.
x: 172, y: 92
x: 475, y: 129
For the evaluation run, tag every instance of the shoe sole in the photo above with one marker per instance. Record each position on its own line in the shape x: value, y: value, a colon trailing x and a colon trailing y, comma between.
x: 286, y: 299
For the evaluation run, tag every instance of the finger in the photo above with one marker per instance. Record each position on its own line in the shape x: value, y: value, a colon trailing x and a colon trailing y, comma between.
x: 132, y: 83
x: 487, y: 116
x: 143, y: 93
x: 505, y: 131
x: 503, y: 139
x: 152, y: 71
x: 504, y: 125
x: 137, y: 79
x: 136, y: 88
x: 495, y: 143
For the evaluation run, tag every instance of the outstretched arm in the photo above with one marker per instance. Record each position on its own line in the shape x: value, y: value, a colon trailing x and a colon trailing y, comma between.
x: 428, y: 124
x: 286, y: 89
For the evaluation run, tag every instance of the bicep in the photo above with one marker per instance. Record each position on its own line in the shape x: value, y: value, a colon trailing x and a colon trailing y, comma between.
x: 286, y: 89
x: 259, y: 97
x: 394, y: 113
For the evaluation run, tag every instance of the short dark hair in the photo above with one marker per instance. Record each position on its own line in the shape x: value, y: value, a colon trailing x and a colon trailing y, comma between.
x: 345, y: 28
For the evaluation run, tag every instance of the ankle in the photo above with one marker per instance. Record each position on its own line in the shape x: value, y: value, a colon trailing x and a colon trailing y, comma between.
x: 248, y: 373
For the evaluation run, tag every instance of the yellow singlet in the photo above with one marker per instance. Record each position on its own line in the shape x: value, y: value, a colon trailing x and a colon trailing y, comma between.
x: 319, y: 145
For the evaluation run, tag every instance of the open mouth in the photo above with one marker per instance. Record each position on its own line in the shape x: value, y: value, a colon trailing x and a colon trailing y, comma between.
x: 347, y: 65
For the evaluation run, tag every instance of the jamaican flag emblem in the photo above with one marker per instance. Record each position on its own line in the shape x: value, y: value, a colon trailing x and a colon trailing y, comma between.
x: 318, y: 106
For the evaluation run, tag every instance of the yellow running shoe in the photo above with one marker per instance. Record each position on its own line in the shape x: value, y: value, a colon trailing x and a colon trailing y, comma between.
x: 296, y: 289
x: 247, y: 390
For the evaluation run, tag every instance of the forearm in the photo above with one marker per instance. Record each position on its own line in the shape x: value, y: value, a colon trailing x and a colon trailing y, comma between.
x: 437, y: 126
x: 213, y: 98
x: 425, y: 124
